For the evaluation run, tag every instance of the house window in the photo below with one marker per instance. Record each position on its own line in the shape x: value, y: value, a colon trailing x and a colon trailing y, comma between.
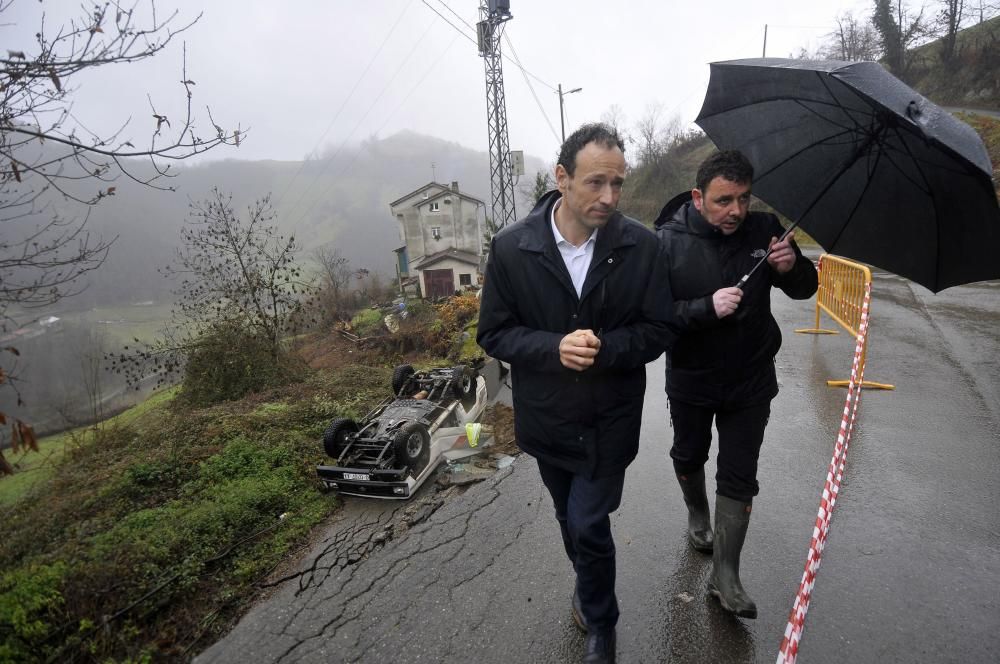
x: 465, y: 279
x: 436, y: 232
x: 435, y: 207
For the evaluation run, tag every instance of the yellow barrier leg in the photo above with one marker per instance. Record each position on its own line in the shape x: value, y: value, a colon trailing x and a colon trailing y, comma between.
x: 816, y: 330
x: 865, y: 383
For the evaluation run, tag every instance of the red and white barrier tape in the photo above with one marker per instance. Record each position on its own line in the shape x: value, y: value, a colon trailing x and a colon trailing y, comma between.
x: 797, y: 617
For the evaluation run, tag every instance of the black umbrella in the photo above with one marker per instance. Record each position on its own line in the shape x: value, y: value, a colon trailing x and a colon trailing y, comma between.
x: 868, y: 167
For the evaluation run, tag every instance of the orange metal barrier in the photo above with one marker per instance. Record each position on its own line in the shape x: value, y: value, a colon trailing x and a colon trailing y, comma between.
x: 843, y: 287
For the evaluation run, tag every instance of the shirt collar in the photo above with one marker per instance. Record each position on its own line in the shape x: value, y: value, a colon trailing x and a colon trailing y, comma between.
x: 559, y: 237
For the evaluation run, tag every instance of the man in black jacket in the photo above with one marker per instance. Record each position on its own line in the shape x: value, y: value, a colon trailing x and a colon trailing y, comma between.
x: 573, y: 300
x: 721, y: 366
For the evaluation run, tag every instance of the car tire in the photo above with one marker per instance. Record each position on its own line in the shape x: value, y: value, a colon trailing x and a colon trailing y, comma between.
x: 400, y: 375
x: 412, y: 446
x: 463, y: 381
x: 335, y: 436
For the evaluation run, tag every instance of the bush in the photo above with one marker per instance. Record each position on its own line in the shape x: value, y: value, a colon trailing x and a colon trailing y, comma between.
x: 30, y: 606
x: 367, y: 322
x: 227, y: 362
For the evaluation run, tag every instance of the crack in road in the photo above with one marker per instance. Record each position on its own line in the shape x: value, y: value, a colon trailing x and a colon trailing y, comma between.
x: 345, y: 578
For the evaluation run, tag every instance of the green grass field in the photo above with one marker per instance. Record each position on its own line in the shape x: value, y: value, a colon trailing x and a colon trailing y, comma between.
x: 36, y: 468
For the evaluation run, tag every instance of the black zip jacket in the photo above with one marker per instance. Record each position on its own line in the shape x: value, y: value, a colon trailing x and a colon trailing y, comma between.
x: 582, y: 421
x: 728, y: 361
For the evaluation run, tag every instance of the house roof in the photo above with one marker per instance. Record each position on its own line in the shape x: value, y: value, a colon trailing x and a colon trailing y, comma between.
x: 446, y: 190
x: 454, y: 254
x: 417, y: 191
x: 453, y: 193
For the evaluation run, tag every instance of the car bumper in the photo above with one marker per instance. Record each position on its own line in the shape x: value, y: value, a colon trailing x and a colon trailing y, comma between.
x: 391, y: 484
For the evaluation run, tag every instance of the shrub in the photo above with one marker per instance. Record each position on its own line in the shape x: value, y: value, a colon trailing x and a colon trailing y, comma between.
x: 367, y: 322
x: 228, y: 362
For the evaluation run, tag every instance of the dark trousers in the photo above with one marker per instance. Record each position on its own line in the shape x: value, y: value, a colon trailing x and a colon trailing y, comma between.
x: 583, y: 506
x: 741, y: 432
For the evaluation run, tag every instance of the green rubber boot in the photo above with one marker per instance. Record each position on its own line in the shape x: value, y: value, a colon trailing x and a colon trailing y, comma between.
x: 699, y: 519
x: 731, y: 520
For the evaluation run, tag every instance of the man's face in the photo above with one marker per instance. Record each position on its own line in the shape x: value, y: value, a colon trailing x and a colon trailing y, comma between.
x: 723, y: 204
x: 591, y: 194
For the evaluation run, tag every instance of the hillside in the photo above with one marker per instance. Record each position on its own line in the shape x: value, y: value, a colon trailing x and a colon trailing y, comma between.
x: 143, y: 538
x: 974, y: 79
x: 341, y: 198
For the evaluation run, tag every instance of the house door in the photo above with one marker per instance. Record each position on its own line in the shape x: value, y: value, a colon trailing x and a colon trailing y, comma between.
x: 440, y: 283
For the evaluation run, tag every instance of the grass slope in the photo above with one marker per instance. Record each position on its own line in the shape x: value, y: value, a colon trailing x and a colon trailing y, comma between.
x: 145, y: 538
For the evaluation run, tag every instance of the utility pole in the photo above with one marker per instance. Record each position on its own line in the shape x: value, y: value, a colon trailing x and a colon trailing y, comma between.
x: 562, y: 119
x: 493, y: 14
x: 764, y: 54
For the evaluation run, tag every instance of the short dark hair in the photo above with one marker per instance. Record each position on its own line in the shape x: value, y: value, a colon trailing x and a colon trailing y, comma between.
x: 731, y: 165
x: 595, y: 132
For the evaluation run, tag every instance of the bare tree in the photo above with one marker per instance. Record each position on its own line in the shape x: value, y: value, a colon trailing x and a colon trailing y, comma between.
x: 47, y: 156
x: 238, y: 296
x: 983, y: 10
x: 44, y: 151
x: 614, y: 117
x: 898, y: 30
x: 854, y: 40
x: 949, y: 21
x: 650, y: 133
x: 237, y: 268
x: 335, y: 278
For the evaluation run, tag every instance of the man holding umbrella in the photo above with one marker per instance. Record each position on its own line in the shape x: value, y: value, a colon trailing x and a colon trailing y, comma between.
x: 721, y: 366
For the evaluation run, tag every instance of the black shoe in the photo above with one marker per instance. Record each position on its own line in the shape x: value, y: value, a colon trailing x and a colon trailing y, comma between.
x: 599, y: 647
x: 578, y: 613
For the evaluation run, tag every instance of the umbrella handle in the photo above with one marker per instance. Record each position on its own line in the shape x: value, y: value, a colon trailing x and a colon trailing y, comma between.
x: 746, y: 277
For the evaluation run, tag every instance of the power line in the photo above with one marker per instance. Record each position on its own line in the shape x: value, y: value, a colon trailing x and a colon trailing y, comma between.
x: 343, y: 105
x: 517, y: 61
x: 457, y: 15
x: 474, y: 41
x: 445, y: 19
x: 398, y: 106
x: 360, y: 122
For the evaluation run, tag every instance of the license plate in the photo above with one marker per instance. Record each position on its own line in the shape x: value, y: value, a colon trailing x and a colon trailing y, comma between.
x: 362, y: 477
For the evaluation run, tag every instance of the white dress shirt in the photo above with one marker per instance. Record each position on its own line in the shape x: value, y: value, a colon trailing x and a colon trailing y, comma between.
x: 577, y: 259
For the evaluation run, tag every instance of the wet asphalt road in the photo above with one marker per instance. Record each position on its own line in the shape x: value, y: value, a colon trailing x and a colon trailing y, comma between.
x: 911, y: 571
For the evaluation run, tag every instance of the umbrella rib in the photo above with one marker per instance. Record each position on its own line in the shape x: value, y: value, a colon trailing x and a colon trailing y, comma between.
x: 843, y: 227
x: 888, y: 155
x: 846, y: 132
x: 766, y: 100
x: 804, y: 105
x: 934, y: 203
x: 871, y: 110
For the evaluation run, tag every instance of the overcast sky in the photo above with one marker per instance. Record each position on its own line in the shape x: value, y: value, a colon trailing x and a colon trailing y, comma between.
x: 308, y: 75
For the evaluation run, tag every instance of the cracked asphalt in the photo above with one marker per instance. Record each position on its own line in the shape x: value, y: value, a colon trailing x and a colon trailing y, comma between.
x: 911, y: 570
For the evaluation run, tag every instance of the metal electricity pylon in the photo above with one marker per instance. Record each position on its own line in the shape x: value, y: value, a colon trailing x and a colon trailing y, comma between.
x: 493, y: 14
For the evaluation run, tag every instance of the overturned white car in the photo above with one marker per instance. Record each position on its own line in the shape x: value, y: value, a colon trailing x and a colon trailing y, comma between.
x: 393, y: 449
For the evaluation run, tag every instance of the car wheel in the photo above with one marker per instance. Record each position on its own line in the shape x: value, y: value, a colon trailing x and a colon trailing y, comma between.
x: 335, y: 436
x: 462, y: 381
x: 400, y: 375
x: 412, y: 445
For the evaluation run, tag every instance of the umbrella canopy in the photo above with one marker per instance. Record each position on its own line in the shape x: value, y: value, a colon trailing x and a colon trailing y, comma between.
x: 871, y: 169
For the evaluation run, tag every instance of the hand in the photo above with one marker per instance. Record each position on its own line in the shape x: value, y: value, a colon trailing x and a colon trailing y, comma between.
x: 782, y: 256
x: 726, y: 300
x: 578, y: 349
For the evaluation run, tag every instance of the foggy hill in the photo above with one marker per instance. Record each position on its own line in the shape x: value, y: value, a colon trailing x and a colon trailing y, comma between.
x: 341, y: 197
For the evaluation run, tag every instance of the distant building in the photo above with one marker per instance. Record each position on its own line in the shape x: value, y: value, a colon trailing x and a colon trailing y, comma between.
x: 441, y: 232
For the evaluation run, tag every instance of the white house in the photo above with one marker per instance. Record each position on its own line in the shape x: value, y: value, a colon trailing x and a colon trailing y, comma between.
x: 441, y: 231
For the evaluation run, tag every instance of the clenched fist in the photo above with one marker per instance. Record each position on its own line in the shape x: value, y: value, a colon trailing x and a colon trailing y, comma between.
x: 578, y: 349
x: 726, y: 300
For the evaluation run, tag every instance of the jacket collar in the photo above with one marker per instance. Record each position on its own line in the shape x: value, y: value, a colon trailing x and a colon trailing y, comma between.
x: 538, y: 238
